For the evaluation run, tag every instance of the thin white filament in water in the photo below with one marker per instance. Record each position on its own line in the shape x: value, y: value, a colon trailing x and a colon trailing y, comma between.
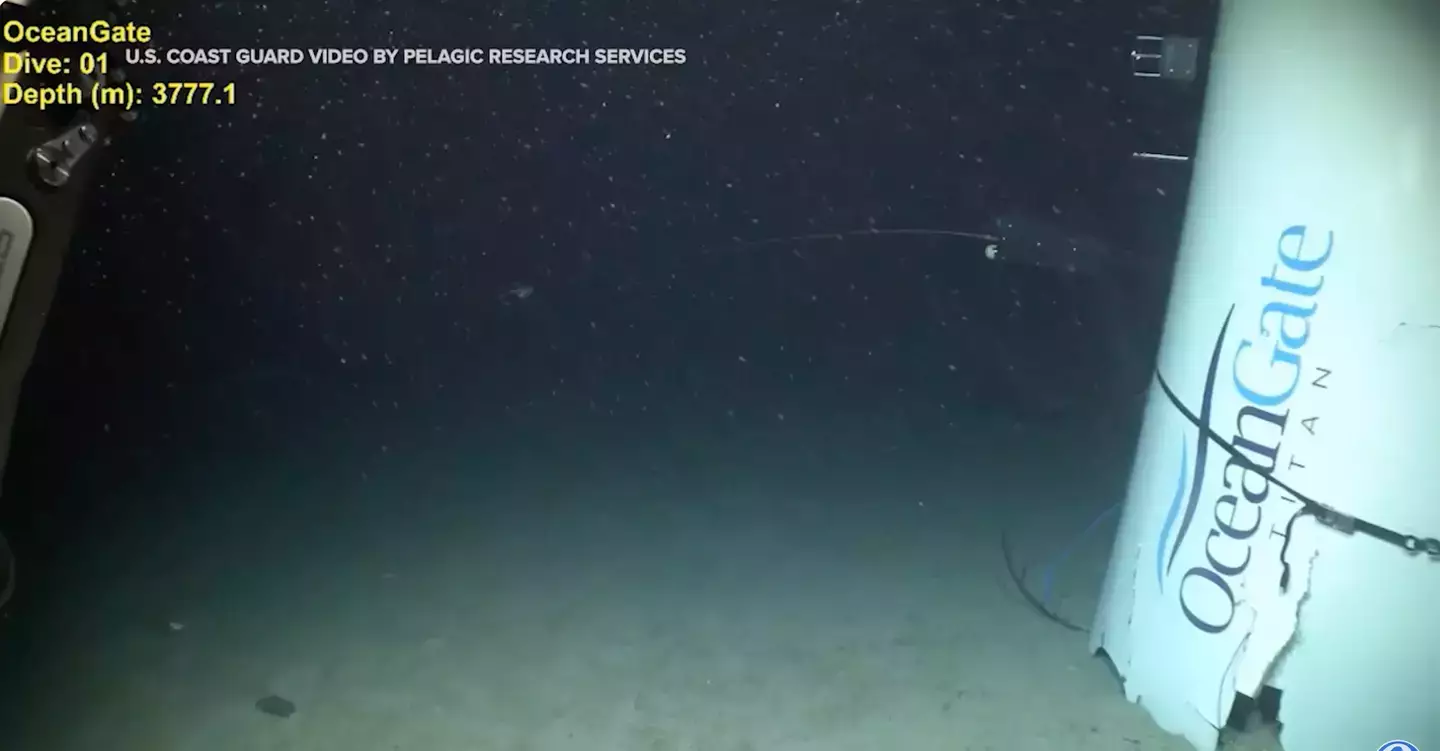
x: 817, y: 236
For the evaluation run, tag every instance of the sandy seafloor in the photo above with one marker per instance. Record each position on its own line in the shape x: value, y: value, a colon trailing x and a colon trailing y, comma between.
x: 549, y: 597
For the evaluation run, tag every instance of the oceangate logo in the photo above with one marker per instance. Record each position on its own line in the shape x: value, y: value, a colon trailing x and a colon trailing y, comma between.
x: 1266, y: 366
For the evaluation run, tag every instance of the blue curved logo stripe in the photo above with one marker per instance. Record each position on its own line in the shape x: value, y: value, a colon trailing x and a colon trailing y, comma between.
x: 1170, y: 538
x: 1181, y: 480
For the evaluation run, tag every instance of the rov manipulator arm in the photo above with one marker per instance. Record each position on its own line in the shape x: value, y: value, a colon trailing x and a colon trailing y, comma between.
x: 48, y: 159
